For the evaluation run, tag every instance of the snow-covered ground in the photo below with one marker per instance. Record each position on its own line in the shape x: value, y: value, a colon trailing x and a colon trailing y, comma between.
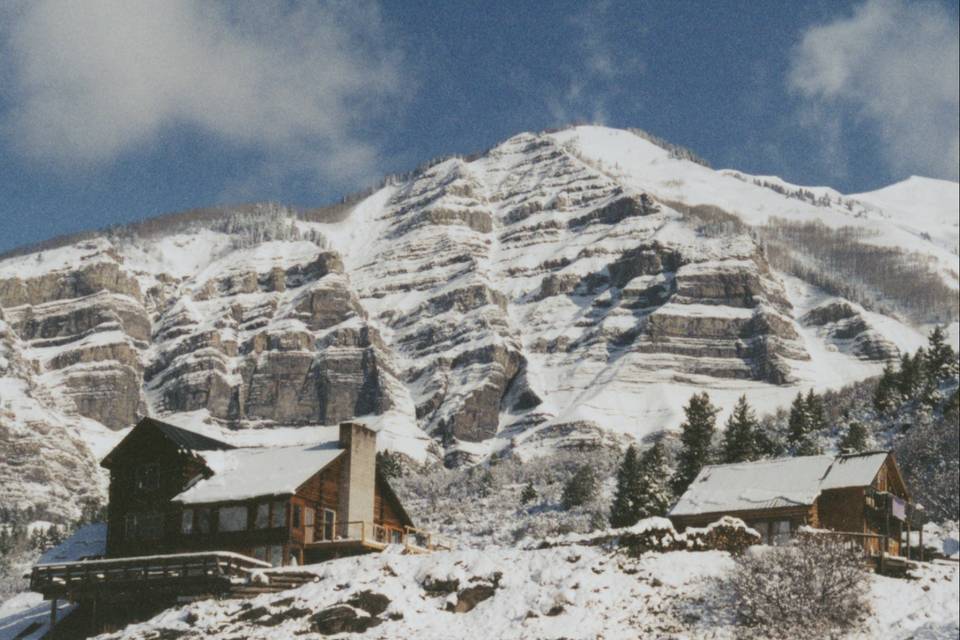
x: 563, y: 592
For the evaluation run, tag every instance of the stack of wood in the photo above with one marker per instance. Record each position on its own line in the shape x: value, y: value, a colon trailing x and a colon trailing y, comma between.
x: 726, y: 534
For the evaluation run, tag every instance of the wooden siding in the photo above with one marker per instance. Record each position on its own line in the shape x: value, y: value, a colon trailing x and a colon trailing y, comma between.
x: 174, y: 470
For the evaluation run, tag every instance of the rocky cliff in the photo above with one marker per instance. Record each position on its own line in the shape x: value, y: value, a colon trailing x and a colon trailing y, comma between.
x: 560, y: 288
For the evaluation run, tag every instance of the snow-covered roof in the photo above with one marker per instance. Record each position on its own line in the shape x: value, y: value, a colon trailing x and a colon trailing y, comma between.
x: 241, y: 474
x: 89, y: 541
x: 771, y: 484
x: 856, y: 470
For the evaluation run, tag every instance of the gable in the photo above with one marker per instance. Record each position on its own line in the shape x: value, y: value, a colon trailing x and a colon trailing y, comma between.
x: 149, y: 433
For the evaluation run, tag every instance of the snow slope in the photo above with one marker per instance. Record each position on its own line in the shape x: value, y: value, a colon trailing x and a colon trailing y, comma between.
x: 569, y: 592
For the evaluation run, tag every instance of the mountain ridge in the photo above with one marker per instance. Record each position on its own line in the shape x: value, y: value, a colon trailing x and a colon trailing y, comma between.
x: 560, y: 289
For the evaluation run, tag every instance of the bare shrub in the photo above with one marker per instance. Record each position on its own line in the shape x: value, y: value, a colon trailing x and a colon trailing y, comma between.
x: 814, y: 584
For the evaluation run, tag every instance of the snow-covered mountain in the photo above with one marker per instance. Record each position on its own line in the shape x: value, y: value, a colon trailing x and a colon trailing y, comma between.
x: 561, y: 288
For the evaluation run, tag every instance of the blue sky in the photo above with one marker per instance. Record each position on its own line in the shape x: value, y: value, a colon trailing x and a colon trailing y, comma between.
x: 117, y: 111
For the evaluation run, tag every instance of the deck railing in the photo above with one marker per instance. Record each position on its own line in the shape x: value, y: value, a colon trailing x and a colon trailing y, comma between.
x: 68, y: 576
x: 382, y: 535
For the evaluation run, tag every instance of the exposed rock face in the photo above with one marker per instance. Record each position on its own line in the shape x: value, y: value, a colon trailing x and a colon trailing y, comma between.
x: 87, y: 328
x: 848, y: 329
x: 544, y: 294
x: 286, y: 345
x: 46, y: 469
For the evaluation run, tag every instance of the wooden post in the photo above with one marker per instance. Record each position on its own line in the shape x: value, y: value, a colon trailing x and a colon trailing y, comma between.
x: 53, y: 613
x: 921, y: 539
x: 883, y: 554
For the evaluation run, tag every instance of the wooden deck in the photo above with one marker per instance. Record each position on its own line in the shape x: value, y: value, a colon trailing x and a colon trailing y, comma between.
x: 182, y: 573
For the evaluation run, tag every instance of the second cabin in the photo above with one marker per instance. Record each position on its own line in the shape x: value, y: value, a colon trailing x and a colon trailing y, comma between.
x: 173, y: 491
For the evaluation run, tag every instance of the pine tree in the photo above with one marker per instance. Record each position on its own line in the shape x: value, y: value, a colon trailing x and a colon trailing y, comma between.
x: 885, y: 395
x: 855, y: 439
x: 799, y: 422
x: 580, y: 489
x: 653, y: 494
x: 740, y: 437
x: 816, y: 420
x: 696, y: 436
x: 910, y: 379
x: 390, y: 464
x: 529, y: 494
x: 940, y: 363
x: 623, y: 511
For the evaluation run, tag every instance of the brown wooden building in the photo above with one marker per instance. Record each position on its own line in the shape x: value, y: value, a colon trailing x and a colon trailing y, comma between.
x: 861, y: 494
x: 174, y: 491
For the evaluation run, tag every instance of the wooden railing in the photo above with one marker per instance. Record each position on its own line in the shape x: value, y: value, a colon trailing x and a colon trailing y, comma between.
x: 411, y: 538
x: 90, y: 573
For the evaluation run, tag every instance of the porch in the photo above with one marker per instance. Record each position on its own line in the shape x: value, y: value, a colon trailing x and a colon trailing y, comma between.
x: 358, y: 537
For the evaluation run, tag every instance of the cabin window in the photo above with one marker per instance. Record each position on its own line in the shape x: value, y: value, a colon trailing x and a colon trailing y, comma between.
x: 232, y: 519
x: 329, y: 523
x: 780, y: 531
x: 262, y: 520
x: 396, y: 536
x: 296, y: 517
x: 203, y: 520
x: 260, y: 553
x: 276, y: 555
x: 763, y: 528
x: 144, y: 526
x: 148, y: 477
x: 186, y: 522
x: 278, y: 515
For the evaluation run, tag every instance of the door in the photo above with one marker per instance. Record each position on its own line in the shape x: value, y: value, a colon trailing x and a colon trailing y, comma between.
x: 309, y: 521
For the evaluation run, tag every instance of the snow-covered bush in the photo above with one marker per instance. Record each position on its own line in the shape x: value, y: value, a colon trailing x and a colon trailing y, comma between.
x: 813, y: 584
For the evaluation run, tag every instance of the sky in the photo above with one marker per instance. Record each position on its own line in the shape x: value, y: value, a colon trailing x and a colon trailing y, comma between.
x: 115, y: 111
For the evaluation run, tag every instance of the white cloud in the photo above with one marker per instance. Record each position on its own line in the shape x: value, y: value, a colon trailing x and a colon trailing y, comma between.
x: 894, y: 66
x: 90, y: 81
x: 599, y: 74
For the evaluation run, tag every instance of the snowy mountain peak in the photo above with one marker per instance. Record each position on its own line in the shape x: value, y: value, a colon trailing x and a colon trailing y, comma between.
x: 559, y: 289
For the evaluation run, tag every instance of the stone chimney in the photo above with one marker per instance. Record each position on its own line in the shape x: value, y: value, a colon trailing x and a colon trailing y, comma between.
x: 357, y: 478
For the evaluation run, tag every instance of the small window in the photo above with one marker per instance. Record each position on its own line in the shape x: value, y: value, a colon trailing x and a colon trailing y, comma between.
x: 232, y: 519
x: 150, y: 526
x: 262, y: 520
x: 278, y: 516
x: 329, y: 524
x: 763, y: 528
x: 148, y: 477
x: 203, y: 521
x: 186, y: 522
x: 780, y: 531
x: 260, y: 553
x: 296, y: 517
x: 276, y: 555
x: 396, y: 536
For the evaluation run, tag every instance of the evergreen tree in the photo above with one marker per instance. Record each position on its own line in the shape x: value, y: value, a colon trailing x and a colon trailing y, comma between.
x: 799, y: 422
x: 390, y: 464
x: 580, y: 489
x: 885, y: 395
x: 911, y: 377
x: 529, y: 494
x: 740, y: 437
x: 855, y: 439
x: 696, y: 436
x: 623, y: 511
x: 941, y: 360
x: 816, y: 420
x: 653, y: 494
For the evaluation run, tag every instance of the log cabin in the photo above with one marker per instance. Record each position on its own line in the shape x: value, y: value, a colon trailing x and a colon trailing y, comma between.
x: 861, y: 496
x: 175, y: 491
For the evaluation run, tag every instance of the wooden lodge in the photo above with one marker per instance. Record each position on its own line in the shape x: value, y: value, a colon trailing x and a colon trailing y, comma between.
x: 191, y: 516
x: 861, y: 497
x: 175, y: 491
